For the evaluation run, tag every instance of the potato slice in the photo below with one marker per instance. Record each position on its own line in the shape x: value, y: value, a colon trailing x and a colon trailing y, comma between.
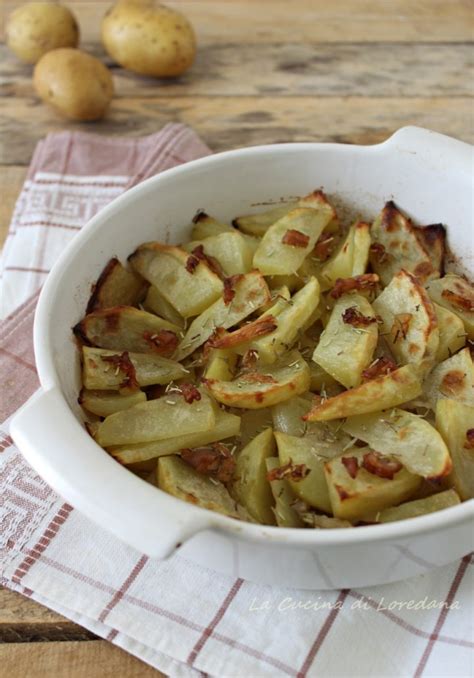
x: 179, y: 479
x: 250, y: 486
x: 221, y: 364
x: 322, y: 522
x: 279, y: 294
x: 250, y: 292
x: 396, y: 246
x: 100, y: 374
x: 374, y: 395
x: 205, y: 226
x: 457, y: 295
x: 455, y: 422
x: 409, y: 323
x: 305, y: 469
x: 125, y: 328
x: 292, y: 317
x: 322, y: 381
x: 116, y: 287
x: 452, y: 336
x: 288, y: 241
x: 226, y: 426
x: 155, y: 302
x: 419, y: 507
x: 406, y: 436
x: 258, y: 224
x: 103, y: 403
x: 284, y: 497
x: 354, y: 498
x: 453, y: 378
x: 433, y: 239
x: 165, y: 417
x: 230, y: 249
x: 344, y: 350
x: 265, y: 387
x: 288, y: 415
x: 351, y: 258
x: 165, y: 267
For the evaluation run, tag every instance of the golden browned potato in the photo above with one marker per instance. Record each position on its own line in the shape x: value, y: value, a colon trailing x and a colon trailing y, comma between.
x: 149, y: 38
x: 74, y: 83
x: 38, y: 27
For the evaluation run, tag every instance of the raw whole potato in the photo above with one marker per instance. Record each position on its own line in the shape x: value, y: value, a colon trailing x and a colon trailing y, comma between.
x: 74, y: 83
x: 149, y: 38
x: 39, y: 27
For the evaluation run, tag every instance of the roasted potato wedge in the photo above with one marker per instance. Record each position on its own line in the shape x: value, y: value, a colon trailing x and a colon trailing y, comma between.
x: 125, y: 328
x: 230, y: 249
x: 452, y: 335
x: 284, y: 497
x: 176, y: 477
x: 226, y: 425
x: 249, y: 291
x: 292, y: 317
x: 166, y: 417
x: 453, y: 378
x: 104, y: 370
x: 433, y: 239
x: 351, y: 258
x: 103, y: 403
x: 221, y: 364
x: 409, y: 324
x: 265, y: 386
x: 419, y: 507
x: 205, y: 226
x: 455, y: 422
x: 405, y: 436
x: 155, y: 302
x: 253, y: 422
x: 258, y: 224
x: 381, y: 393
x: 250, y: 486
x: 355, y: 492
x: 288, y: 241
x: 345, y: 349
x: 116, y: 287
x: 395, y: 246
x: 303, y: 469
x: 323, y: 522
x: 165, y: 267
x: 457, y: 295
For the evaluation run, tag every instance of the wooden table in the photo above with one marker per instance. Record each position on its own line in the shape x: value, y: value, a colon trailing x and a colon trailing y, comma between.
x: 266, y: 71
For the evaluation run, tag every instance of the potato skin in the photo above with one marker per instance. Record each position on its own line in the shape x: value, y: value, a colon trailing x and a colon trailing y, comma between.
x: 76, y: 84
x: 39, y: 27
x: 148, y: 38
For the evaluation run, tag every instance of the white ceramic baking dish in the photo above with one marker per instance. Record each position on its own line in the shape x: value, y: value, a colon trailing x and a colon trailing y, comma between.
x: 428, y: 175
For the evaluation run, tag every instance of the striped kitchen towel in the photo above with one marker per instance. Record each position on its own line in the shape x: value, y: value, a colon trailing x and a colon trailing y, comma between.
x: 175, y: 615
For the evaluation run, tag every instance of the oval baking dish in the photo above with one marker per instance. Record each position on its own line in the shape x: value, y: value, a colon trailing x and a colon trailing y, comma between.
x: 429, y: 175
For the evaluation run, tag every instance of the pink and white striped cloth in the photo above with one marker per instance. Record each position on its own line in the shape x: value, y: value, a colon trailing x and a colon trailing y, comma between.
x: 177, y: 616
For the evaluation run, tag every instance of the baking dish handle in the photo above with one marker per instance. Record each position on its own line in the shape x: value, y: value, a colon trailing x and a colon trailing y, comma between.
x: 54, y: 443
x: 432, y: 147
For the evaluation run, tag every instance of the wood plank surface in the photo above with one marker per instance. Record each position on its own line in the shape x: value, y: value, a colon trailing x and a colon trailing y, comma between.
x: 267, y: 71
x: 93, y: 659
x: 260, y: 21
x: 291, y: 69
x: 230, y: 122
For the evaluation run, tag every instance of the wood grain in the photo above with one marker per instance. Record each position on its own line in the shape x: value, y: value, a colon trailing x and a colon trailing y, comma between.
x: 95, y: 659
x: 229, y: 122
x: 263, y: 21
x: 11, y: 181
x: 292, y: 69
